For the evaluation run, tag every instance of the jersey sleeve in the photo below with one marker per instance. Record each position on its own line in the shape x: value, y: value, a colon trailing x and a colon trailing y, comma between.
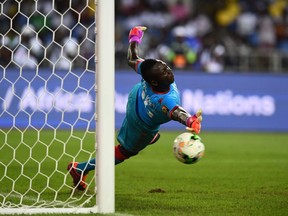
x: 170, y: 103
x: 137, y: 66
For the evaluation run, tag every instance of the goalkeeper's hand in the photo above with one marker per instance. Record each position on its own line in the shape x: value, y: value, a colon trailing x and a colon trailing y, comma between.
x: 194, y: 122
x: 136, y: 34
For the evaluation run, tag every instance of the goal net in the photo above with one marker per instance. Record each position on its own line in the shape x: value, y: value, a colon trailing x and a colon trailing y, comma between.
x: 48, y: 107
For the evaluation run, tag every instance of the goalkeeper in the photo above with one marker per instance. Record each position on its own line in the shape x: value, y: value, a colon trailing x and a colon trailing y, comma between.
x: 152, y: 102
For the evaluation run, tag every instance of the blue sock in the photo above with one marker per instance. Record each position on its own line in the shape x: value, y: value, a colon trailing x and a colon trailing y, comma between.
x: 87, y: 166
x: 90, y: 165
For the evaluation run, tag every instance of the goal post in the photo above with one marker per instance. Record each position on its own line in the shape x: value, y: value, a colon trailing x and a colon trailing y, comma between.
x: 56, y: 105
x: 105, y: 107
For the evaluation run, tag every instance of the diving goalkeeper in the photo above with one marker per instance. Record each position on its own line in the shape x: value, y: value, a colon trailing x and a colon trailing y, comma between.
x: 152, y: 102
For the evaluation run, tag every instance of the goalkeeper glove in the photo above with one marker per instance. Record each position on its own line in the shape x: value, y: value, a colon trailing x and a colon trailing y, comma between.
x: 136, y: 34
x: 194, y: 122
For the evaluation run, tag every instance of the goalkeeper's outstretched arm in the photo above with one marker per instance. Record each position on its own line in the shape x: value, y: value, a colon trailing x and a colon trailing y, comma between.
x: 133, y: 57
x: 193, y: 123
x: 135, y: 38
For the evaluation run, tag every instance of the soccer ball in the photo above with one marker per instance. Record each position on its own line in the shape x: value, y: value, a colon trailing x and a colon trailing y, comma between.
x: 188, y: 148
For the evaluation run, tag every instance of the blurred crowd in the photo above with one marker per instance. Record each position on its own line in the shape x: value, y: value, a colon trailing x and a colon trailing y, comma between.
x: 208, y: 35
x: 47, y: 33
x: 191, y: 35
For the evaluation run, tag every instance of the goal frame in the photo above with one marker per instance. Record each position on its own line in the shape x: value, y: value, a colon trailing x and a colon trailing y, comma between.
x: 105, y: 130
x: 104, y: 117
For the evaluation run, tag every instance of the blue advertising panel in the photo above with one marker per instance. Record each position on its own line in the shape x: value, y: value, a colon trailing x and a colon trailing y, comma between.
x: 42, y: 99
x: 237, y: 102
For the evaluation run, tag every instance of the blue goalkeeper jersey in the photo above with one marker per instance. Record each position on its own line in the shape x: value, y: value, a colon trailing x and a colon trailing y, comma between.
x: 154, y: 108
x: 146, y: 110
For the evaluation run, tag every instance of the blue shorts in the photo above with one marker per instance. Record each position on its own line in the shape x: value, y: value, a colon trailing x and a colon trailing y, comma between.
x: 134, y: 134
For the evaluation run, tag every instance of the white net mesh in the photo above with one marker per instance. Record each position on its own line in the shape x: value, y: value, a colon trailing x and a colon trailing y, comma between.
x: 47, y: 80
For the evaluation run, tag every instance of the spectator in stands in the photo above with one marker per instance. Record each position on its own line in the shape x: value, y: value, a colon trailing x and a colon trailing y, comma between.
x: 212, y: 60
x: 179, y: 11
x: 64, y: 59
x: 246, y: 24
x: 181, y: 53
x: 30, y: 51
x: 266, y: 31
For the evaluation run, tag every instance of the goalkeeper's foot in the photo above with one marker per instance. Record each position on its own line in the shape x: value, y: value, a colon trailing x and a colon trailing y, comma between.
x: 155, y: 139
x: 78, y: 179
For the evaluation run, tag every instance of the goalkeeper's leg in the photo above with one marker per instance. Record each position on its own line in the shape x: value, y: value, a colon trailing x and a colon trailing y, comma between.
x: 79, y: 171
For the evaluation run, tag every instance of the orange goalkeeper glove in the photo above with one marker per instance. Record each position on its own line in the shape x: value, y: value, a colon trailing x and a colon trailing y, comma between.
x: 194, y: 122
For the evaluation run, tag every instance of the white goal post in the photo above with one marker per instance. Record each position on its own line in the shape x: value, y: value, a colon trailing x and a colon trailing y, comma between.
x: 105, y: 107
x: 56, y: 105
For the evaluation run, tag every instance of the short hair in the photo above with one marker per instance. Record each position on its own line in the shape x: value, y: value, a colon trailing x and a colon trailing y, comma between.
x: 146, y: 67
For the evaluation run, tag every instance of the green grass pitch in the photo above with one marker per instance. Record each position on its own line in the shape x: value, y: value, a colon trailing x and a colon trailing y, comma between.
x: 240, y: 173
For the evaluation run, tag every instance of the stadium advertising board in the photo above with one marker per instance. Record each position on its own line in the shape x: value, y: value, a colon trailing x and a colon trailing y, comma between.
x: 244, y: 102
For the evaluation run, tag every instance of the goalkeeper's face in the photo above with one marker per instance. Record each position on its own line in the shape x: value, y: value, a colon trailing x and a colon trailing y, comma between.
x: 163, y: 74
